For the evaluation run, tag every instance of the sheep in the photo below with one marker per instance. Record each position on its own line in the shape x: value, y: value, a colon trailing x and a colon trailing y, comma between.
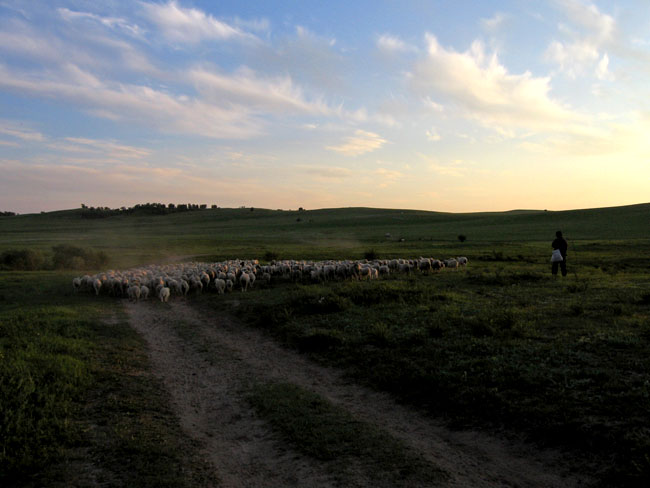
x: 364, y: 272
x: 133, y: 292
x: 437, y: 265
x: 196, y: 284
x: 164, y: 294
x: 205, y: 279
x: 185, y: 287
x: 424, y: 265
x: 144, y: 292
x: 220, y: 286
x: 451, y: 264
x: 244, y: 281
x: 182, y: 278
x: 404, y: 268
x: 296, y: 274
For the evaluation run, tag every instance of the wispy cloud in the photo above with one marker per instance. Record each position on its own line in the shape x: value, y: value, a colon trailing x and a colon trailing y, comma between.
x: 432, y: 135
x: 110, y: 148
x: 19, y: 131
x: 189, y: 25
x: 361, y: 142
x: 328, y: 172
x: 137, y: 103
x: 246, y: 88
x: 393, y: 44
x: 495, y: 22
x: 110, y: 22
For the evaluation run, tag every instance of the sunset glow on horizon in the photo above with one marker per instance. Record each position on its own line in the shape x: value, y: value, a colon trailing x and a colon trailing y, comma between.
x: 447, y: 106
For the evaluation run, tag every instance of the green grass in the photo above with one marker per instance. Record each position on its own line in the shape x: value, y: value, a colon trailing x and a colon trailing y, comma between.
x: 329, y: 233
x: 501, y: 345
x: 71, y: 384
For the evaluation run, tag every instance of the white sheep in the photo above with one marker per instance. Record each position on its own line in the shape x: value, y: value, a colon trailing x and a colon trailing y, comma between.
x: 451, y: 264
x: 133, y: 293
x: 220, y: 286
x: 76, y: 284
x: 97, y: 284
x: 244, y: 281
x: 462, y: 261
x: 164, y: 294
x: 144, y: 292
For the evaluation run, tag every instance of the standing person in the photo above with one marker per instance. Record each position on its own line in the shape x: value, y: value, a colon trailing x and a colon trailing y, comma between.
x: 561, y: 244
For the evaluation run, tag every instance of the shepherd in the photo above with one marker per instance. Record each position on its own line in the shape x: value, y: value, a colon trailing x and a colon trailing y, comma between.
x: 560, y: 244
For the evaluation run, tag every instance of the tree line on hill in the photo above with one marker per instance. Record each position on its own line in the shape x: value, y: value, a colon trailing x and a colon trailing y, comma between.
x: 141, y: 208
x: 8, y: 214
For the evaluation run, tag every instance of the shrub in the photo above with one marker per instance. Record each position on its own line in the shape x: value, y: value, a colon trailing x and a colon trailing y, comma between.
x: 271, y: 256
x: 67, y: 256
x: 462, y: 238
x: 371, y: 255
x: 22, y: 260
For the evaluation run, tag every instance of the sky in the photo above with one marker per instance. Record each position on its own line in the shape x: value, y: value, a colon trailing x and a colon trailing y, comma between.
x: 456, y: 106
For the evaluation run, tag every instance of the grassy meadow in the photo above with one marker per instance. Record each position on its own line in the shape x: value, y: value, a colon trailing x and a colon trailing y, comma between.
x: 500, y: 345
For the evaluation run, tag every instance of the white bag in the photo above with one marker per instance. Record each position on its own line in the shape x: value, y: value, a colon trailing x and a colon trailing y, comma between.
x: 556, y: 257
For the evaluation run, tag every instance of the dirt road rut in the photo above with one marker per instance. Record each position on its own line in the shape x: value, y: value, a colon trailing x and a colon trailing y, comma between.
x: 206, y: 359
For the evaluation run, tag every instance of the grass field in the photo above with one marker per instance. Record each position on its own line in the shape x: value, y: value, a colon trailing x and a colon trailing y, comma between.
x: 499, y: 345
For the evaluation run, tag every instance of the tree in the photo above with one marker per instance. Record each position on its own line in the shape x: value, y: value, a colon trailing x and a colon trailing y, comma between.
x: 462, y: 238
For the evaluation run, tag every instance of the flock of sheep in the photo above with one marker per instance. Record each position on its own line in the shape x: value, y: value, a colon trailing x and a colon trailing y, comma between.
x: 163, y: 281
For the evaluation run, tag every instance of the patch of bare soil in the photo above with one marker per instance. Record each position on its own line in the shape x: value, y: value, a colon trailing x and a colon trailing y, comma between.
x: 208, y: 398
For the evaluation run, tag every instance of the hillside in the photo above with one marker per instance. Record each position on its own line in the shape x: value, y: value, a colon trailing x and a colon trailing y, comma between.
x: 243, y: 232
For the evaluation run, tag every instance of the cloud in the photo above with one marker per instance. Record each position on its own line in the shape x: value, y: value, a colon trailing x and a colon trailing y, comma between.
x: 88, y: 48
x: 602, y: 70
x: 137, y: 103
x: 574, y: 57
x: 432, y: 135
x: 110, y: 22
x: 110, y: 148
x: 246, y: 88
x: 19, y: 131
x: 494, y: 23
x: 599, y: 25
x: 595, y: 30
x: 189, y: 25
x: 482, y: 89
x: 361, y: 143
x: 393, y: 44
x: 328, y: 172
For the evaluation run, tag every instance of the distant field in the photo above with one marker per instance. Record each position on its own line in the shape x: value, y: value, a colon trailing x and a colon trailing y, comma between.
x: 327, y: 233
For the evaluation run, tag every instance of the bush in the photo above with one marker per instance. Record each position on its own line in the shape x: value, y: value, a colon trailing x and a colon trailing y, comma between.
x: 72, y: 257
x: 22, y: 260
x: 371, y: 255
x: 271, y: 256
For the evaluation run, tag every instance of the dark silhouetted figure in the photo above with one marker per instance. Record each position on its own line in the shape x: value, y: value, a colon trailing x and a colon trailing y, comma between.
x: 561, y: 244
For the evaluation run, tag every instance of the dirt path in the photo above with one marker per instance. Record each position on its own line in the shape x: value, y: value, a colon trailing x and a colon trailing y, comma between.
x: 207, y: 396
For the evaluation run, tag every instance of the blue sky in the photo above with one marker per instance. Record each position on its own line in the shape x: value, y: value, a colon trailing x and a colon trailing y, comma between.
x: 451, y: 106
